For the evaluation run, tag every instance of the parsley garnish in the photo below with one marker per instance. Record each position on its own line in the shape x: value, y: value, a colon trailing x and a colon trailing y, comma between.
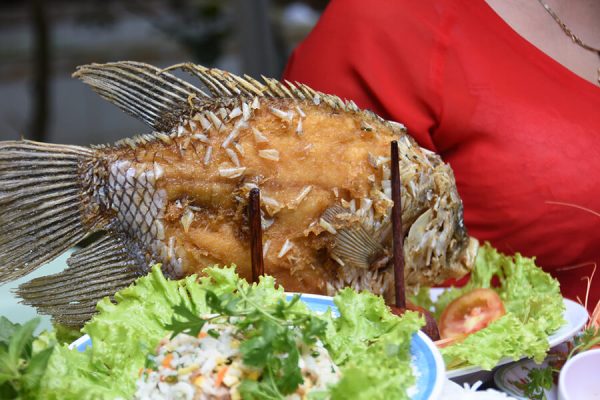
x: 540, y: 379
x: 190, y: 323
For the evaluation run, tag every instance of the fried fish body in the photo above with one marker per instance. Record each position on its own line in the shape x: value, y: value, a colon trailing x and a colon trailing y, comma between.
x: 179, y: 195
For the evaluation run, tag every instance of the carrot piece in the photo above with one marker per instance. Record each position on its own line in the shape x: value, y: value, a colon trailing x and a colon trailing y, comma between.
x: 202, y: 335
x: 166, y: 362
x: 595, y: 318
x: 140, y: 371
x: 221, y: 376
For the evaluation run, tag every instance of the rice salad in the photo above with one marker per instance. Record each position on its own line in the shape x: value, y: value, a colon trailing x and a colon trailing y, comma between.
x: 210, y: 366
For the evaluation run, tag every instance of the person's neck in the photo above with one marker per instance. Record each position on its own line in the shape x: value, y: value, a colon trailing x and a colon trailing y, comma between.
x: 580, y: 16
x: 536, y: 25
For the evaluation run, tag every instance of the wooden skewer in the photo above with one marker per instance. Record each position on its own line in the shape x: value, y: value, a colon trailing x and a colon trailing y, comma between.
x: 397, y: 229
x: 430, y: 327
x: 256, y: 247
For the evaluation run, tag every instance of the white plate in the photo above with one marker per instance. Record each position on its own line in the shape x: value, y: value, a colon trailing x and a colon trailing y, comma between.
x: 575, y: 316
x: 506, y: 377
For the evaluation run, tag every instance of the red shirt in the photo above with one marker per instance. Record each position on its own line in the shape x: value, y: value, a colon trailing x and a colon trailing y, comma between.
x: 519, y: 130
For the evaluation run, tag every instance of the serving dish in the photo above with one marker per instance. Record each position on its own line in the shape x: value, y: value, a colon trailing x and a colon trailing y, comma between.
x: 428, y: 364
x: 506, y: 377
x: 575, y: 316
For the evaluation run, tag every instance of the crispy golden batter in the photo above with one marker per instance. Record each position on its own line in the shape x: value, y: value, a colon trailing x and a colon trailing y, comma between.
x: 330, y: 157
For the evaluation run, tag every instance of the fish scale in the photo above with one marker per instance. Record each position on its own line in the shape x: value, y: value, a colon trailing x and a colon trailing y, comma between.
x: 140, y: 209
x: 178, y: 196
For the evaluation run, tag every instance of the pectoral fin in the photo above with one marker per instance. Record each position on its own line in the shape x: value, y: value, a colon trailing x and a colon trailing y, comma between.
x: 354, y: 245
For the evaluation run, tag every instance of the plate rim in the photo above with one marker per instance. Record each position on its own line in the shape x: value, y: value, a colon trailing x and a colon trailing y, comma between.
x: 440, y: 366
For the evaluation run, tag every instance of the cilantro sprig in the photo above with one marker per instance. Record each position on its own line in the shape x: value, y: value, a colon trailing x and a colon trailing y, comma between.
x: 589, y: 338
x: 272, y: 336
x: 537, y: 382
x: 540, y: 379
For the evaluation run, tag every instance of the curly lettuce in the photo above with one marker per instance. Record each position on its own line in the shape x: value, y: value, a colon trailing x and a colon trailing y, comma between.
x: 371, y: 346
x: 534, y: 310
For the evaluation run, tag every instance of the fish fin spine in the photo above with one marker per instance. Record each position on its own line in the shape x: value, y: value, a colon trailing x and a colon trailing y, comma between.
x: 225, y: 84
x: 144, y: 91
x: 94, y: 272
x: 160, y: 99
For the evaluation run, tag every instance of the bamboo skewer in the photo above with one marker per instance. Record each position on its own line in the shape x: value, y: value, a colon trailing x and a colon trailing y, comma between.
x: 397, y: 229
x: 256, y: 250
x: 401, y: 306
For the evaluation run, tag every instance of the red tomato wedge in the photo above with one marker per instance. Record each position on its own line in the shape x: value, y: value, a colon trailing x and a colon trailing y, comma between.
x: 470, y: 312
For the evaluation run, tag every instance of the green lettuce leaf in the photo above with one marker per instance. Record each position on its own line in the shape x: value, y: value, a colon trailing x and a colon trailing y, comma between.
x: 534, y: 310
x: 124, y: 332
x: 505, y: 337
x: 371, y: 346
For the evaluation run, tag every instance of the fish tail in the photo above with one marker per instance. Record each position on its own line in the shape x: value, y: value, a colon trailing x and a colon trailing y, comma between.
x: 40, y: 204
x: 50, y: 199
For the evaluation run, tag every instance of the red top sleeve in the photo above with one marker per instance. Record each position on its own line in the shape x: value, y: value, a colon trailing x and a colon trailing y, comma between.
x: 519, y: 130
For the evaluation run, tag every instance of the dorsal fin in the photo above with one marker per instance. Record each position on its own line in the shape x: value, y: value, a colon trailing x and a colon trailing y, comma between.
x: 225, y: 84
x: 142, y: 90
x: 159, y: 98
x: 222, y: 83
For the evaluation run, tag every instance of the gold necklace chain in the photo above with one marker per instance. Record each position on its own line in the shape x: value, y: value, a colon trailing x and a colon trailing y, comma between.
x: 569, y: 33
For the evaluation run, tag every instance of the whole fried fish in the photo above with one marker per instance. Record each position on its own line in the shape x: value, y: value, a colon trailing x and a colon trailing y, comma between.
x: 178, y: 196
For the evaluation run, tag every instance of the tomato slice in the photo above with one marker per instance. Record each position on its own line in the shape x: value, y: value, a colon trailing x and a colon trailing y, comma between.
x: 471, y: 312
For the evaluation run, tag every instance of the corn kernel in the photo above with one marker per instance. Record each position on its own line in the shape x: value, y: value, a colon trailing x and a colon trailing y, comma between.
x: 198, y: 381
x: 253, y: 375
x: 187, y: 370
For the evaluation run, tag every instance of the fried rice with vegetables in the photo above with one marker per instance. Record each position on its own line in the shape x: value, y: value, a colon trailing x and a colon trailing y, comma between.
x: 210, y: 366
